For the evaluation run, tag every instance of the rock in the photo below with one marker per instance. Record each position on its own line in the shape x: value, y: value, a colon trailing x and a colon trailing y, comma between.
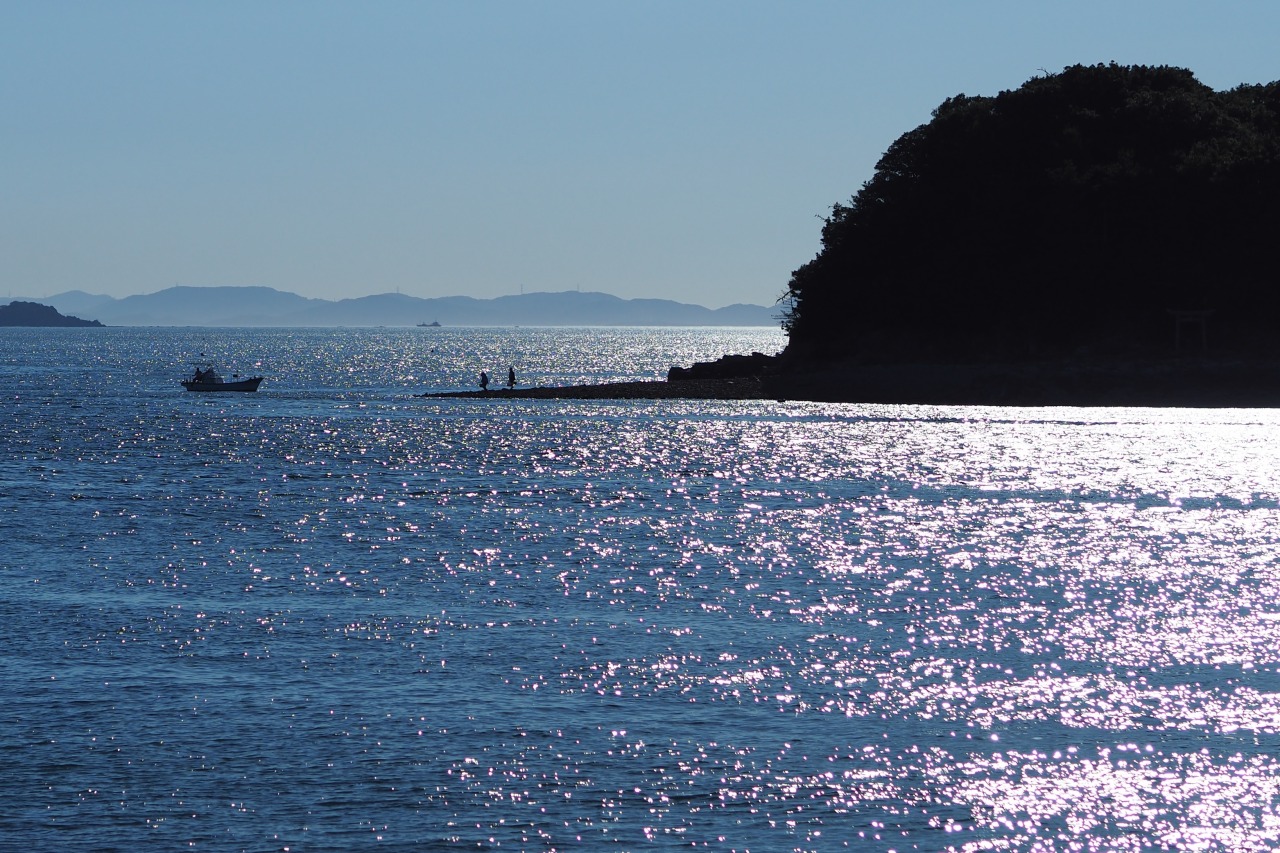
x: 726, y: 367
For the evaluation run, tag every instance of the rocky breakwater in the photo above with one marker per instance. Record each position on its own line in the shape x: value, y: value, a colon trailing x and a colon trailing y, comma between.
x: 1153, y: 382
x: 732, y: 377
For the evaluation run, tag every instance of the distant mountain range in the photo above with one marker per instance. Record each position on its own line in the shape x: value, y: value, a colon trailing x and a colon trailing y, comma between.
x: 265, y: 306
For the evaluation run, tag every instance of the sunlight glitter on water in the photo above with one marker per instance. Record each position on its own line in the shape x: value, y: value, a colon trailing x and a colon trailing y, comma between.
x: 744, y: 626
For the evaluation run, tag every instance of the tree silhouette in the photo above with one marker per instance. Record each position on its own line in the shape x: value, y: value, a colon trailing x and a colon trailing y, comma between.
x: 1069, y: 215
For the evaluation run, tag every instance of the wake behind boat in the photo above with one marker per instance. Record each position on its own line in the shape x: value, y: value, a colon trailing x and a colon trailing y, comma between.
x: 206, y: 378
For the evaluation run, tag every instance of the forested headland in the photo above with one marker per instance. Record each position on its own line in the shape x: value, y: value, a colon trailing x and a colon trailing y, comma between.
x: 1101, y: 236
x: 1106, y: 211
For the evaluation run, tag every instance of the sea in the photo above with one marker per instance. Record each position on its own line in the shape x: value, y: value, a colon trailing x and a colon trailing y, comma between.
x: 335, y: 615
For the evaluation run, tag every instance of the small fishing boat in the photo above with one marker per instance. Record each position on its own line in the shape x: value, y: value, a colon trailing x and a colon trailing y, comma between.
x: 206, y: 378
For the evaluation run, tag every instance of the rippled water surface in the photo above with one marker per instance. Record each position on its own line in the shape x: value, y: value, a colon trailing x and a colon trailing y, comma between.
x: 335, y: 616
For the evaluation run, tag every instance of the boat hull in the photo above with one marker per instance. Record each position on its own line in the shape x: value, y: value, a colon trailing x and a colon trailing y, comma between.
x: 250, y: 384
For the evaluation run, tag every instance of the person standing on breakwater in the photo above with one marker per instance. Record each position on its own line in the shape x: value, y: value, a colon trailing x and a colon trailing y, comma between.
x: 484, y: 381
x: 511, y: 377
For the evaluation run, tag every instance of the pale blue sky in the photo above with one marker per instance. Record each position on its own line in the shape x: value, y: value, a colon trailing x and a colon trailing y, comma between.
x: 682, y: 150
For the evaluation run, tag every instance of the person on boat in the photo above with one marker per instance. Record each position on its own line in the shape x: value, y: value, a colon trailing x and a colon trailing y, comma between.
x: 511, y: 377
x: 484, y: 381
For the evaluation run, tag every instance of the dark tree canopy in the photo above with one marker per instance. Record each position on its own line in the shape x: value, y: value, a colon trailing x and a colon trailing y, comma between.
x: 1072, y: 214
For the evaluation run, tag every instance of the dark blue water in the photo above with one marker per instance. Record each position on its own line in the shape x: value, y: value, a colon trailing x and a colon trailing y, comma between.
x: 333, y: 615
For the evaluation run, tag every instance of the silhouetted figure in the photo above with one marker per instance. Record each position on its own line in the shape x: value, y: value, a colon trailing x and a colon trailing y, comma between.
x: 484, y: 381
x: 511, y: 377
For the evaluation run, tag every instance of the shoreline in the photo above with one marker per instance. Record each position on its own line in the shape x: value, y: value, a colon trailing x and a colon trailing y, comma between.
x: 1173, y: 383
x: 742, y: 388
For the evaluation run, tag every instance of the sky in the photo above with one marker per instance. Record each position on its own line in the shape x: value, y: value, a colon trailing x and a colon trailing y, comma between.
x: 682, y: 150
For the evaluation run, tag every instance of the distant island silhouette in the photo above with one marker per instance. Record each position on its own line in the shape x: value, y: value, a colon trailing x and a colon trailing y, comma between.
x: 33, y: 314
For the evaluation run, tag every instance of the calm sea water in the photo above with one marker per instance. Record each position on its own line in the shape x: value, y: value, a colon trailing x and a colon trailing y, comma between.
x: 334, y: 616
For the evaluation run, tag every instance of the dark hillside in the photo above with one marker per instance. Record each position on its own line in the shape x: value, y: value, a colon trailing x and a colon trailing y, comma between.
x: 1083, y: 213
